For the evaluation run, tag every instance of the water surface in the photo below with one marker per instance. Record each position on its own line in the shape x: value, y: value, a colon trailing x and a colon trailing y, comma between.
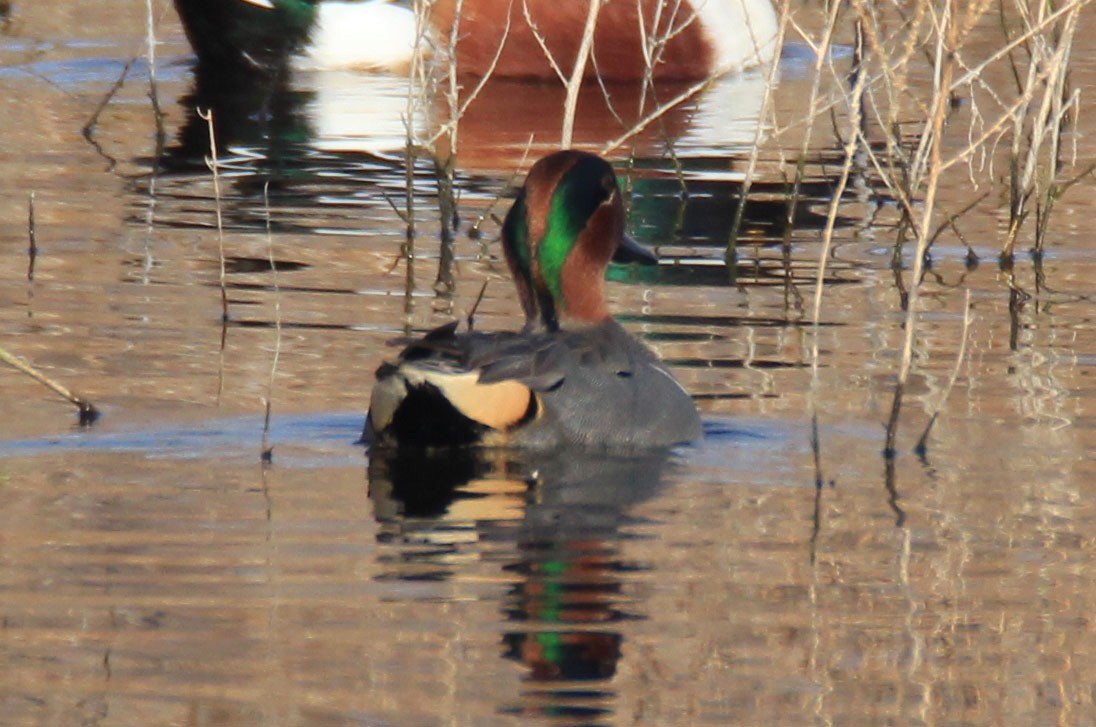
x: 154, y: 571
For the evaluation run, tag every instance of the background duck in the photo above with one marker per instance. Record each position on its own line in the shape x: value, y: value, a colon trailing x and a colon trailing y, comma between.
x: 702, y: 38
x: 573, y: 376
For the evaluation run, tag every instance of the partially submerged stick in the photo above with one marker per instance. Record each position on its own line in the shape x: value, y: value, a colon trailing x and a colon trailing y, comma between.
x: 32, y: 239
x: 88, y: 413
x: 943, y: 73
x: 88, y: 129
x: 267, y: 455
x: 922, y: 443
x: 212, y: 164
x: 153, y: 91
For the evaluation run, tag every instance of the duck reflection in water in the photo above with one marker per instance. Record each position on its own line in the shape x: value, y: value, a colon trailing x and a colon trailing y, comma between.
x: 248, y: 69
x: 563, y: 610
x: 350, y: 114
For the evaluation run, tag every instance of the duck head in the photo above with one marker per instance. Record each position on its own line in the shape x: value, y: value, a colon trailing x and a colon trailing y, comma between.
x: 559, y: 236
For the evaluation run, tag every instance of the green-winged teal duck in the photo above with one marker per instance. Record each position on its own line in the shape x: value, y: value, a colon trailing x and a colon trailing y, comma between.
x: 573, y: 376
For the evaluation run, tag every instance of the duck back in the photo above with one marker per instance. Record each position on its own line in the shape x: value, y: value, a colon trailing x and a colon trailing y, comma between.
x: 591, y: 386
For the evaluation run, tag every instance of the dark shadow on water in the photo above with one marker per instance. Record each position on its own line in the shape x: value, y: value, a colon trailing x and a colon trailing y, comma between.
x: 562, y: 518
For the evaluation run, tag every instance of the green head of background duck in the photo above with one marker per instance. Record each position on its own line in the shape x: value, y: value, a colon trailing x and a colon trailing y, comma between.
x: 573, y: 376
